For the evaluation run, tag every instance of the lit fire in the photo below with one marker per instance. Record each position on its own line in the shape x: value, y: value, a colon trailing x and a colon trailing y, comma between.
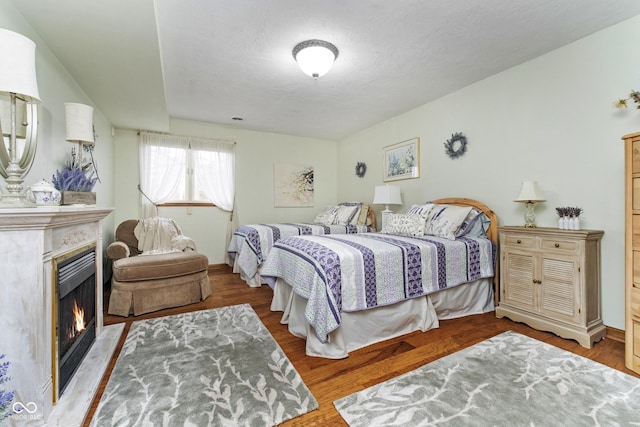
x: 78, y: 315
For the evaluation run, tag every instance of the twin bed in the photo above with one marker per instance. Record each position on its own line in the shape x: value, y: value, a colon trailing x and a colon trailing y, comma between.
x: 250, y: 244
x: 342, y: 292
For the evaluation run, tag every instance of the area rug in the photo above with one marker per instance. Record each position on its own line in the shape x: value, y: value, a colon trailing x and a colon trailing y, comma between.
x: 218, y: 367
x: 508, y: 380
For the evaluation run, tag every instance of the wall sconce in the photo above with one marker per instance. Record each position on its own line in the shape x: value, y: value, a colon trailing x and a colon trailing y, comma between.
x: 19, y: 90
x: 79, y: 126
x: 315, y: 57
x: 530, y: 194
x: 387, y: 195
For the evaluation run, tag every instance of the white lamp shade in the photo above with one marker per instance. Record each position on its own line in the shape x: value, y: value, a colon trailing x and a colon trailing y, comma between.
x: 79, y: 122
x: 18, y: 70
x: 5, y: 118
x: 530, y: 193
x: 387, y: 195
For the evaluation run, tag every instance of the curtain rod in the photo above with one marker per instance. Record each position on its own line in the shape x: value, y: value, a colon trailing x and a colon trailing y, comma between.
x: 230, y: 141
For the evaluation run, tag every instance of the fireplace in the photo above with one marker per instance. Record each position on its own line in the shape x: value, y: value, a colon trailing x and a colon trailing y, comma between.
x: 75, y: 313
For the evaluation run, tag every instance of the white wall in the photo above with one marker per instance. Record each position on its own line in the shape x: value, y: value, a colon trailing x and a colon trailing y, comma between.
x: 256, y: 153
x: 551, y: 120
x: 56, y: 87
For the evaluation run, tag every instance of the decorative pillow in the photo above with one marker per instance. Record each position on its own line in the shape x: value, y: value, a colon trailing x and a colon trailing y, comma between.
x: 479, y: 227
x: 421, y: 209
x: 410, y: 224
x: 469, y: 221
x: 363, y: 216
x: 346, y: 214
x: 326, y: 217
x: 445, y: 220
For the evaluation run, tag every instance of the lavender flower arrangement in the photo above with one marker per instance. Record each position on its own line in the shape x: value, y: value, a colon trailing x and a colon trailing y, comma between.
x: 74, y: 177
x: 569, y: 218
x: 5, y: 396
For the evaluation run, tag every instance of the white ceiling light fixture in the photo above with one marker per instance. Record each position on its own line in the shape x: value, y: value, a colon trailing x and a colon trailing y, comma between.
x: 315, y: 57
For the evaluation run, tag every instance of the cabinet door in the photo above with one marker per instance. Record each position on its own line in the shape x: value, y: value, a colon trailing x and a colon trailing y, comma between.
x: 518, y: 287
x: 560, y: 288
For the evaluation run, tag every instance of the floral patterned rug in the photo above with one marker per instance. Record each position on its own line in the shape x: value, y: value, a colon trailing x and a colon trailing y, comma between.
x: 508, y: 380
x: 218, y: 367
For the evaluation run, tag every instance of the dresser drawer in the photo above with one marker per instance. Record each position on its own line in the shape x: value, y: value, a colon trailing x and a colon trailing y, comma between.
x: 520, y: 242
x: 559, y: 245
x: 635, y: 303
x: 636, y: 339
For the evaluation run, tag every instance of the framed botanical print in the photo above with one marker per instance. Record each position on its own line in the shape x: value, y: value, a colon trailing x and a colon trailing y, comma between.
x: 401, y: 160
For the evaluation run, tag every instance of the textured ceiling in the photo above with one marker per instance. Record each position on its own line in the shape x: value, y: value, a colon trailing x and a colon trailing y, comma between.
x: 142, y: 61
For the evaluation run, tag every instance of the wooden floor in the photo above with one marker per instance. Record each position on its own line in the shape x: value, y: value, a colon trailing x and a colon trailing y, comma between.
x: 329, y: 380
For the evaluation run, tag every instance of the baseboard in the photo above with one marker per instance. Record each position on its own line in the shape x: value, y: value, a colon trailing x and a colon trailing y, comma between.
x: 218, y: 269
x: 615, y: 334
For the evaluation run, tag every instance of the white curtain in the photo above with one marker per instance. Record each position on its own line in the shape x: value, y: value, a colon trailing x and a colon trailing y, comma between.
x: 162, y: 168
x: 214, y: 164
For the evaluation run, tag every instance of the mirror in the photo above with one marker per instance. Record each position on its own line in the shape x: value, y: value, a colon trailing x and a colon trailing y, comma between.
x: 26, y: 135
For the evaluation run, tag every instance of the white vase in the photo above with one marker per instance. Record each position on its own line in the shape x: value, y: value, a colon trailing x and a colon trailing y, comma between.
x: 564, y: 223
x: 575, y: 223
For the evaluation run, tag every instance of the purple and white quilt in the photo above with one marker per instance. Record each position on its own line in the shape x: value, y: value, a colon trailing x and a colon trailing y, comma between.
x: 344, y: 273
x: 250, y: 244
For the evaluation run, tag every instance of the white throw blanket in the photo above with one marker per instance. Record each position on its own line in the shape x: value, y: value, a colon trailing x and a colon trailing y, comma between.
x: 161, y: 235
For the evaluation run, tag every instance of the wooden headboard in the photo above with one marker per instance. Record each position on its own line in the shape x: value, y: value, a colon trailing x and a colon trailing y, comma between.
x: 492, y: 232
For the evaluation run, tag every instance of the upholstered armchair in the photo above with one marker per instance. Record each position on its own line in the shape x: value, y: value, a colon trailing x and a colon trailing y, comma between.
x: 144, y: 283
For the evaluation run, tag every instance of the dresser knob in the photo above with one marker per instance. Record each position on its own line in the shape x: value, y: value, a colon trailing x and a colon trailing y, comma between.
x: 557, y: 245
x: 519, y: 241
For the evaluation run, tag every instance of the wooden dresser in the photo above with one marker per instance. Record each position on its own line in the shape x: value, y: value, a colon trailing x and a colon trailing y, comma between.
x: 550, y: 280
x: 632, y: 251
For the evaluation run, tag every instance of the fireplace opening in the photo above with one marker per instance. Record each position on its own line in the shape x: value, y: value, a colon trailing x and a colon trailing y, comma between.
x: 76, y: 313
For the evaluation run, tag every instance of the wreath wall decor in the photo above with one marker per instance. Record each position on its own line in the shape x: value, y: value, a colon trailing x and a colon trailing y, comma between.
x: 456, y: 146
x: 361, y: 169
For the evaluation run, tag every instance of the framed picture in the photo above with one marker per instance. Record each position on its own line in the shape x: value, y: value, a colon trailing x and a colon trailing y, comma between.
x: 401, y: 160
x: 293, y: 185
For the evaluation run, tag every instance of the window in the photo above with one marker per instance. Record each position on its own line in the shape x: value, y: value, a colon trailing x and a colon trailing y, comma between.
x: 182, y: 170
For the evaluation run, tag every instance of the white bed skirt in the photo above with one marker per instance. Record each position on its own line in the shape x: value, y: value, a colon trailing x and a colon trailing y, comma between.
x: 363, y: 328
x: 253, y: 282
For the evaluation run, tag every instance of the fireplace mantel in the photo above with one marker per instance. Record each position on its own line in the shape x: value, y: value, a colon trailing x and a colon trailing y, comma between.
x: 30, y: 238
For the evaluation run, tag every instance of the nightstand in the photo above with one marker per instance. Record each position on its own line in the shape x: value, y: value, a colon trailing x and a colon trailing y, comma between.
x: 550, y: 280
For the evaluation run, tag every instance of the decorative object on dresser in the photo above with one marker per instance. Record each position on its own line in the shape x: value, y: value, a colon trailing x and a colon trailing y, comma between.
x: 529, y: 195
x: 550, y: 280
x: 632, y: 251
x: 569, y: 218
x: 401, y: 160
x: 456, y: 146
x: 387, y: 195
x: 19, y: 119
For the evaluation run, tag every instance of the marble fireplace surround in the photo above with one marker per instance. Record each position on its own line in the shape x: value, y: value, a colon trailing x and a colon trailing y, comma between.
x: 30, y: 238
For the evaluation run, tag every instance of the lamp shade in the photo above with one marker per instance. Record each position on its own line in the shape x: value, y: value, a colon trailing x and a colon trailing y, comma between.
x: 18, y: 70
x: 315, y: 57
x: 387, y: 195
x: 79, y: 122
x: 530, y: 193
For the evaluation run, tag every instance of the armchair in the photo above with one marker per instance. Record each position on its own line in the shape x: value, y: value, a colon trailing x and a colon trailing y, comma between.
x: 145, y: 283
